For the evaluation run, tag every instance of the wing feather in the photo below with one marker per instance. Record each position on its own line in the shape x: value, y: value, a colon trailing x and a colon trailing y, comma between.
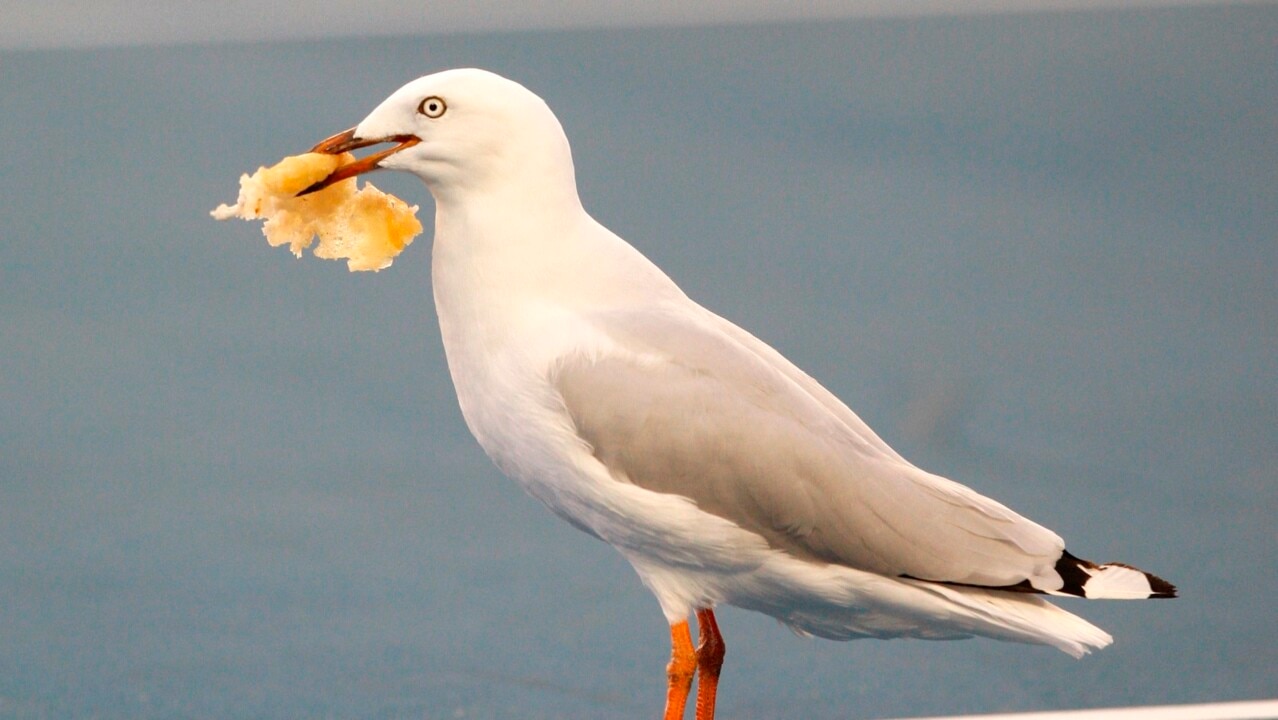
x: 683, y: 406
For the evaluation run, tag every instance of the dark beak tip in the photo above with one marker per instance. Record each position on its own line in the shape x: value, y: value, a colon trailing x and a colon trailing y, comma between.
x: 313, y: 187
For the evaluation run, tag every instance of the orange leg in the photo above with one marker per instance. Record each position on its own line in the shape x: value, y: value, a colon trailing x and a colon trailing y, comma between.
x: 710, y: 651
x: 683, y: 663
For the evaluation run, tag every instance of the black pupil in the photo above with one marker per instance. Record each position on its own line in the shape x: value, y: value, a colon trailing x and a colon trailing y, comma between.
x: 433, y: 107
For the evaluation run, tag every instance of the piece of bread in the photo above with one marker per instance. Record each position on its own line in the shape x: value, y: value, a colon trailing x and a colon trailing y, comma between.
x: 365, y: 226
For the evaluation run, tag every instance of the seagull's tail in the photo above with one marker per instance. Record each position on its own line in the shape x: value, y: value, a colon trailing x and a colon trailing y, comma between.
x: 842, y: 603
x: 1019, y: 617
x: 1113, y: 581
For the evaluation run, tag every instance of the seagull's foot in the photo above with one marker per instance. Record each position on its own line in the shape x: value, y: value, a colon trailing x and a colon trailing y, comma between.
x: 683, y: 664
x: 710, y: 652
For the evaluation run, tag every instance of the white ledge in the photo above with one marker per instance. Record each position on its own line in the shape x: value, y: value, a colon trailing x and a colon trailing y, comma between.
x: 1244, y: 710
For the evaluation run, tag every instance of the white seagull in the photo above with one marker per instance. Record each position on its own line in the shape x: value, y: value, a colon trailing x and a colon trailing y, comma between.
x: 721, y: 471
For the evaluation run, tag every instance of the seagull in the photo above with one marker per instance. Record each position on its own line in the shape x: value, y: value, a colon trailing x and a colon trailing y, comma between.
x: 721, y: 471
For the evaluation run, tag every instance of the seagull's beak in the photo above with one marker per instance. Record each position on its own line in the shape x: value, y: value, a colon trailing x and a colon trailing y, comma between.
x: 345, y: 142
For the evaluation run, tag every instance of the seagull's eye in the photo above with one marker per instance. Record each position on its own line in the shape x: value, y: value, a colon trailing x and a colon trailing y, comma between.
x: 432, y: 107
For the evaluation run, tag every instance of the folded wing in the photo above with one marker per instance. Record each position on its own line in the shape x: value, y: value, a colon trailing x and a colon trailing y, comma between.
x: 688, y: 404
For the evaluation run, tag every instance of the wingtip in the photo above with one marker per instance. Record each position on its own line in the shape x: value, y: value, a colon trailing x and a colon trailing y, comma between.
x: 1158, y: 587
x: 1113, y: 580
x: 1161, y: 588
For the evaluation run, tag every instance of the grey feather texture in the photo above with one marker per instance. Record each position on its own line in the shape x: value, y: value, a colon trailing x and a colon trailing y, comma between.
x: 725, y: 421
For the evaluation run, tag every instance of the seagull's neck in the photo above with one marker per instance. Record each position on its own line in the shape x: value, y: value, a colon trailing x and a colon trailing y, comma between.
x: 508, y: 224
x: 538, y: 199
x: 495, y: 248
x: 502, y: 260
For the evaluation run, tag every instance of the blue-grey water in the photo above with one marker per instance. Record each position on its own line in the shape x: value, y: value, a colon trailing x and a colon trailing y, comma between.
x: 1037, y: 253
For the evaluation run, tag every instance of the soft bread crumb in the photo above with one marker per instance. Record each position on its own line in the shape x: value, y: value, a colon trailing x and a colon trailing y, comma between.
x: 365, y: 226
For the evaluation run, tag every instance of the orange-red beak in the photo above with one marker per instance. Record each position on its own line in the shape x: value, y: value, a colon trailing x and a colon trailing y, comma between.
x: 345, y: 142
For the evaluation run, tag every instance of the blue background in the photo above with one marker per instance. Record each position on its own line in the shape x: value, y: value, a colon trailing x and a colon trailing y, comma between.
x: 1037, y: 253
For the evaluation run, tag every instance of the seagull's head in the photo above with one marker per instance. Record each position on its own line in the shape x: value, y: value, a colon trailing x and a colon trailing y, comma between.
x: 456, y: 129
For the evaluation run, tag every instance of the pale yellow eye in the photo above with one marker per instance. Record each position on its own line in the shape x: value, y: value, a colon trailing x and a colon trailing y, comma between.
x: 432, y: 107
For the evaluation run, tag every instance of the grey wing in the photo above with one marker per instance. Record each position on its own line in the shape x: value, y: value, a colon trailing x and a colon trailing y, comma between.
x: 689, y: 409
